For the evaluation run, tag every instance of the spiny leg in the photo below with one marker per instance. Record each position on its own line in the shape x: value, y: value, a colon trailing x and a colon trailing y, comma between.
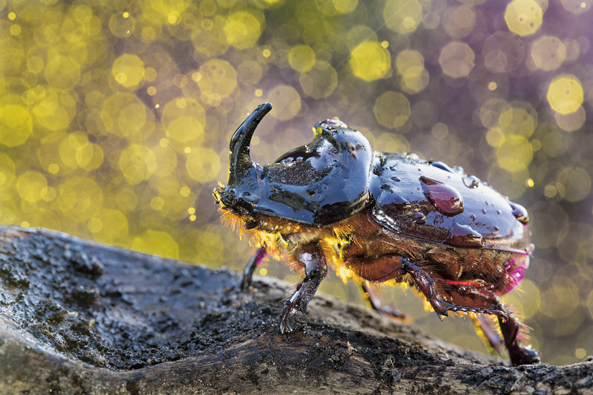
x: 255, y: 260
x: 371, y: 296
x: 311, y: 257
x: 427, y: 286
x: 518, y: 352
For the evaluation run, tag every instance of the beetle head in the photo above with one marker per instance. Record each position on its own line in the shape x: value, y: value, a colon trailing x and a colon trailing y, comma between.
x: 319, y: 183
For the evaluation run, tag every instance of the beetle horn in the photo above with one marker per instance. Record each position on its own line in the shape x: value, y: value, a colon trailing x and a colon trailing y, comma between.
x: 239, y: 160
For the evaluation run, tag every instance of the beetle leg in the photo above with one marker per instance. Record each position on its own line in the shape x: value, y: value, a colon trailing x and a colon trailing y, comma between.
x: 255, y: 260
x: 427, y: 286
x: 312, y: 258
x: 371, y: 296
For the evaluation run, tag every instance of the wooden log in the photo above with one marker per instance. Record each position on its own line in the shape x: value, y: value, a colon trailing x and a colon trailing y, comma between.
x: 77, y: 317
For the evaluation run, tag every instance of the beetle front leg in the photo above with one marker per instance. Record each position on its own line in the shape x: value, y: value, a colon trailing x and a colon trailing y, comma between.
x: 311, y: 257
x: 255, y: 260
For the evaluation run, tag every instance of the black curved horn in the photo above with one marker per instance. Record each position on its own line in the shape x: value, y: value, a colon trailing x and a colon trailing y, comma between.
x: 239, y: 158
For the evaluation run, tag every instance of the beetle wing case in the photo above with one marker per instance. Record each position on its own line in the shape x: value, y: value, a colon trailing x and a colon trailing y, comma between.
x: 431, y: 201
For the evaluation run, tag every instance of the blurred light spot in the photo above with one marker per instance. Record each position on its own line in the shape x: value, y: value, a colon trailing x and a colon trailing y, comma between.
x: 191, y: 210
x: 184, y: 191
x: 580, y: 353
x: 572, y: 121
x: 29, y: 185
x: 95, y: 225
x: 249, y: 72
x: 266, y: 53
x: 219, y: 78
x: 431, y: 20
x: 184, y: 120
x: 320, y: 81
x: 80, y: 198
x: 128, y: 70
x: 492, y: 86
x: 565, y: 94
x: 457, y: 59
x: 503, y: 52
x: 523, y: 17
x: 157, y: 203
x: 384, y: 44
x: 210, y: 247
x: 369, y: 61
x: 550, y: 191
x: 137, y: 163
x: 163, y: 142
x: 151, y: 90
x: 121, y: 26
x: 392, y: 109
x: 491, y: 111
x: 15, y: 30
x: 526, y: 301
x: 242, y: 30
x: 150, y: 74
x: 24, y: 224
x: 35, y: 64
x: 126, y: 14
x: 11, y: 16
x: 263, y: 271
x: 392, y: 142
x: 15, y: 125
x: 515, y: 153
x: 529, y: 182
x: 301, y: 58
x: 123, y: 114
x: 172, y: 19
x: 440, y: 130
x: 423, y: 113
x: 203, y: 165
x: 459, y: 21
x: 516, y: 121
x: 187, y: 150
x: 148, y: 33
x: 287, y: 102
x: 577, y: 6
x: 410, y: 66
x: 48, y: 194
x: 62, y: 72
x: 126, y: 200
x: 258, y: 92
x: 548, y: 53
x: 156, y: 242
x: 402, y: 16
x: 6, y: 172
x: 495, y: 137
x: 576, y: 183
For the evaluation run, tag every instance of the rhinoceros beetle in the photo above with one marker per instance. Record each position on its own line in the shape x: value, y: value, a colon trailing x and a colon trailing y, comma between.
x: 379, y: 218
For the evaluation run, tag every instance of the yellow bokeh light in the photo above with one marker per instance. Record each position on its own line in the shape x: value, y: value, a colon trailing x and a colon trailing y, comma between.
x: 287, y: 102
x: 523, y: 17
x: 457, y: 59
x: 410, y: 66
x: 218, y: 77
x: 572, y: 121
x: 6, y: 172
x: 184, y: 120
x: 577, y: 6
x: 80, y: 198
x: 30, y: 184
x: 156, y: 242
x: 369, y: 61
x: 503, y: 52
x: 242, y: 30
x: 62, y: 72
x: 122, y: 26
x: 392, y: 109
x: 565, y: 94
x: 515, y: 153
x: 402, y: 16
x: 137, y: 163
x: 15, y: 125
x: 203, y: 165
x: 301, y: 58
x: 576, y: 183
x: 320, y: 81
x: 128, y: 70
x: 123, y: 114
x: 459, y: 21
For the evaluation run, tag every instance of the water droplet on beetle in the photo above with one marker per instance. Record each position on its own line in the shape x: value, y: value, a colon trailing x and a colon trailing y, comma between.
x: 458, y: 169
x: 414, y: 157
x: 496, y: 228
x: 483, y: 211
x: 472, y: 217
x: 418, y: 218
x: 520, y: 213
x: 498, y: 212
x: 471, y: 181
x: 442, y: 166
x: 445, y: 198
x: 531, y: 247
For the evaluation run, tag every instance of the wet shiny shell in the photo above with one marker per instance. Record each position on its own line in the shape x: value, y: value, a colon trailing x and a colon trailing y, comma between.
x: 431, y: 201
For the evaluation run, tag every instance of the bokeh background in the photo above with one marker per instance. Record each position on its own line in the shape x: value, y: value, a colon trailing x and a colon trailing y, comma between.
x: 115, y: 117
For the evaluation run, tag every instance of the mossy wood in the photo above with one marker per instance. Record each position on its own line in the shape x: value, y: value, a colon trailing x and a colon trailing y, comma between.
x: 79, y: 318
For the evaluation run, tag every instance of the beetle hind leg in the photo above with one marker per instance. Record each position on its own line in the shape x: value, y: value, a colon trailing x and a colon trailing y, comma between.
x: 255, y: 260
x: 375, y: 302
x: 310, y: 256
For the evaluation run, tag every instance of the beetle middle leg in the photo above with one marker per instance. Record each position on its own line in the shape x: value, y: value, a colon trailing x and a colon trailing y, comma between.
x: 312, y: 258
x: 369, y: 294
x: 255, y: 260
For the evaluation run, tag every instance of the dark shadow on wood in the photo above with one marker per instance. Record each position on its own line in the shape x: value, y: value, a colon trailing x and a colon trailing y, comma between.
x: 78, y: 317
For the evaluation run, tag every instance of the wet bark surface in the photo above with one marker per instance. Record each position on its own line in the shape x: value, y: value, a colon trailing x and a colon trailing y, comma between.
x: 77, y: 317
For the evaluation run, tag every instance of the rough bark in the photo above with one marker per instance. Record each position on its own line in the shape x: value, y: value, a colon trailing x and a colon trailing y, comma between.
x: 77, y: 317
